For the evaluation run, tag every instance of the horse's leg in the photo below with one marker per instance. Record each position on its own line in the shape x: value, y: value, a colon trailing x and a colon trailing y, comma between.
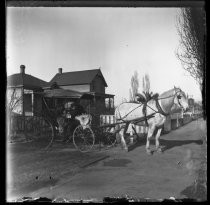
x: 149, y: 135
x: 157, y: 143
x: 122, y: 134
x: 122, y: 140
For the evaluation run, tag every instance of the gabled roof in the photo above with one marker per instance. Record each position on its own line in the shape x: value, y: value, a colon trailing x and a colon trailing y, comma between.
x: 77, y: 77
x: 28, y: 81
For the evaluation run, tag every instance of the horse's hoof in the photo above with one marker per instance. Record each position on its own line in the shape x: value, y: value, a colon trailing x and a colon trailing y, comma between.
x: 149, y: 152
x: 159, y: 150
x: 126, y: 149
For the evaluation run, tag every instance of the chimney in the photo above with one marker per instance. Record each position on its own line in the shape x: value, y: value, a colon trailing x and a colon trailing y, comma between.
x: 22, y: 69
x: 60, y: 70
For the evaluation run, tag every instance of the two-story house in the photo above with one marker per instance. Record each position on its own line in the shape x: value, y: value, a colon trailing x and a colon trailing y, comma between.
x: 90, y: 82
x: 86, y: 87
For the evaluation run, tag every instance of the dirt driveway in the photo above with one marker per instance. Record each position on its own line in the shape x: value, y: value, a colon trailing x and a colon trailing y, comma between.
x: 132, y: 173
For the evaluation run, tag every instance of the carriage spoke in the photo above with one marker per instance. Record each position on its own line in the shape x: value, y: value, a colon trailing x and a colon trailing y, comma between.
x: 40, y: 132
x: 83, y: 138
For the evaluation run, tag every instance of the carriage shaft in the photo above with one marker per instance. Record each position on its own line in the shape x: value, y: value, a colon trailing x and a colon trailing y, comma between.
x: 134, y: 121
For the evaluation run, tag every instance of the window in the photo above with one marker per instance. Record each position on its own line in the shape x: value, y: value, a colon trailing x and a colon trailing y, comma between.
x: 28, y: 104
x: 107, y: 103
x: 111, y: 103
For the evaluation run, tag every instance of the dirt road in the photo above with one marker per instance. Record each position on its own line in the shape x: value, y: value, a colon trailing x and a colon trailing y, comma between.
x: 135, y: 173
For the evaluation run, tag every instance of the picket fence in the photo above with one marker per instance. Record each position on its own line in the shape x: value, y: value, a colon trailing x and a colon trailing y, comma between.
x: 110, y: 119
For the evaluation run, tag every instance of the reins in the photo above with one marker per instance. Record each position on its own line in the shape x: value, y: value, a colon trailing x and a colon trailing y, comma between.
x: 160, y: 110
x: 159, y: 107
x: 129, y: 112
x: 169, y: 96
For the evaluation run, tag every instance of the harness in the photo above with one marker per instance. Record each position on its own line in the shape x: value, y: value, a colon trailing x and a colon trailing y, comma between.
x: 145, y: 105
x: 160, y: 110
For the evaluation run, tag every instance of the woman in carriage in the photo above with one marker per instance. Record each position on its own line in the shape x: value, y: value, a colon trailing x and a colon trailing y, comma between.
x: 66, y: 120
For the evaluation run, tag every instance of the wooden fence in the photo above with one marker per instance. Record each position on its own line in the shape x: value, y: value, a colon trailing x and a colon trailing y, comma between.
x: 172, y: 122
x: 109, y: 119
x: 19, y: 123
x: 24, y: 123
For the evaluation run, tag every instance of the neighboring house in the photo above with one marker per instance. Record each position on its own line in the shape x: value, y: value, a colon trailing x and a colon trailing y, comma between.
x: 88, y: 82
x: 24, y: 88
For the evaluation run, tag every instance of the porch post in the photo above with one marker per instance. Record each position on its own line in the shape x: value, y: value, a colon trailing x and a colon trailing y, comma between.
x: 32, y: 102
x: 23, y: 108
x: 94, y: 107
x: 94, y: 101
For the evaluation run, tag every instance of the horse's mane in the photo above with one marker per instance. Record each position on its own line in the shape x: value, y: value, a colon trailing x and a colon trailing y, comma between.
x: 166, y: 93
x: 183, y: 93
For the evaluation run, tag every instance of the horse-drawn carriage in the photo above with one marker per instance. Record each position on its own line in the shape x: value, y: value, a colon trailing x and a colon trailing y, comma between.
x: 73, y: 123
x: 66, y: 122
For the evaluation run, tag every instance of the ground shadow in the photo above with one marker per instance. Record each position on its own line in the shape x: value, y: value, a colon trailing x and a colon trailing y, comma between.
x: 117, y: 163
x: 167, y: 144
x: 138, y: 143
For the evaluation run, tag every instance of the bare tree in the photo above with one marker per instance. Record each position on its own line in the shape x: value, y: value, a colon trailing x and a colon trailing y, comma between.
x: 146, y: 86
x: 134, y: 86
x: 146, y: 83
x: 191, y: 51
x: 123, y: 100
x: 14, y: 100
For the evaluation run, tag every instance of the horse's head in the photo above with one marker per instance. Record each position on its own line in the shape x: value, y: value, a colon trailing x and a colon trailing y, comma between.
x: 180, y: 99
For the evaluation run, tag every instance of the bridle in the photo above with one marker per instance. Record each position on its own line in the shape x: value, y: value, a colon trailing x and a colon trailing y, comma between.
x: 175, y: 95
x: 179, y: 97
x: 160, y: 110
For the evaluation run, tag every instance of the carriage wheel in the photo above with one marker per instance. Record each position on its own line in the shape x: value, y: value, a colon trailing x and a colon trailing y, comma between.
x: 40, y: 131
x: 83, y: 138
x: 63, y: 137
x: 69, y: 134
x: 47, y: 133
x: 109, y: 137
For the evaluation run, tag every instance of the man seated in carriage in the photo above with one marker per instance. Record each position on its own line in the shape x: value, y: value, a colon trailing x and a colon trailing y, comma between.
x: 66, y: 120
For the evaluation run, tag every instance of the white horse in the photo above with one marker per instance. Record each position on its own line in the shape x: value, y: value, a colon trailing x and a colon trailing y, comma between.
x: 167, y: 103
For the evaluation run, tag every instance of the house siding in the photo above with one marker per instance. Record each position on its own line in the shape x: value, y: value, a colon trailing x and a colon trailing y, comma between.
x: 37, y: 103
x: 97, y: 85
x: 32, y: 101
x: 79, y: 88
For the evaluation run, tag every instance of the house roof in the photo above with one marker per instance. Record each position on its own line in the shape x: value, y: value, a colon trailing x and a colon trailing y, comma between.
x: 28, y: 81
x: 77, y: 77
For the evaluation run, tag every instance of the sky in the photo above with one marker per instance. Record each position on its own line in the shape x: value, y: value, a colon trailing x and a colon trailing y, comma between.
x: 119, y: 41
